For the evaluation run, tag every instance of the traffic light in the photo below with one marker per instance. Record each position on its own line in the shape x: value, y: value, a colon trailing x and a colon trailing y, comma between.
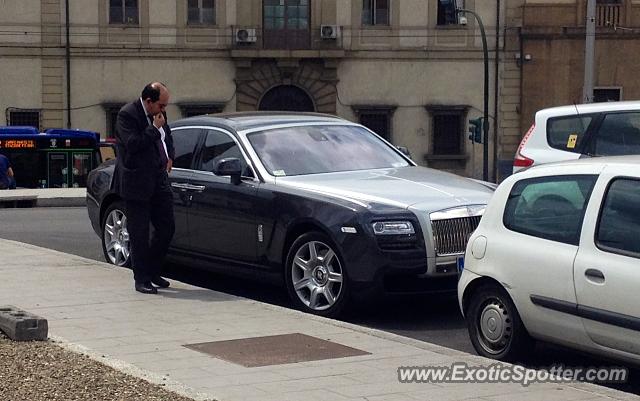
x: 475, y: 130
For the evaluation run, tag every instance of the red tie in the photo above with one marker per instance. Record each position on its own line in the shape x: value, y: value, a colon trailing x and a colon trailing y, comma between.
x: 161, y: 152
x: 163, y: 155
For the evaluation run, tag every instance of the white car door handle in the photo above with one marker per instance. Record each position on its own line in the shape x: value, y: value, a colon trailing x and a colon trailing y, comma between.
x: 594, y: 275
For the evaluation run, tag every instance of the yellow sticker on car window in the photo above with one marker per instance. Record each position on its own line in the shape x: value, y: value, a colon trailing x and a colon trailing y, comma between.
x: 571, y: 142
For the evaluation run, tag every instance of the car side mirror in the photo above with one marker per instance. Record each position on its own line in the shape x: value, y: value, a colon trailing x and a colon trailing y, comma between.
x: 230, y: 166
x: 404, y: 151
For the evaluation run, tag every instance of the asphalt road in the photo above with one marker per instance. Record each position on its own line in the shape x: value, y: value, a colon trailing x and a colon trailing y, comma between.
x: 428, y: 319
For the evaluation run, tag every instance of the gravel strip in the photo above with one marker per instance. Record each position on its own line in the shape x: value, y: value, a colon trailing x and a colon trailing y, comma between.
x: 42, y: 370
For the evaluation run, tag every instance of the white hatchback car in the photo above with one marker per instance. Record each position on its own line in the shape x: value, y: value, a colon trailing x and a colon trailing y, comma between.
x: 556, y: 257
x: 570, y: 132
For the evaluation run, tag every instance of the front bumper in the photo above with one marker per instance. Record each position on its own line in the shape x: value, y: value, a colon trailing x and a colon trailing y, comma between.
x: 397, y: 266
x: 466, y: 278
x: 93, y: 209
x: 410, y: 264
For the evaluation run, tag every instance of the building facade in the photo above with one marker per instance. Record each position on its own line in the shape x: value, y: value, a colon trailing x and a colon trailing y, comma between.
x: 547, y: 46
x: 406, y: 68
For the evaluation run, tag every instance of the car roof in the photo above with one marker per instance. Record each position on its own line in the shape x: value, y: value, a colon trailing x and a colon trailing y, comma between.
x: 247, y: 120
x: 631, y: 161
x: 589, y: 108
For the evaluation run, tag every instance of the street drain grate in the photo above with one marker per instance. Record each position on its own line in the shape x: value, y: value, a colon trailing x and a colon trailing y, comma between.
x: 275, y: 350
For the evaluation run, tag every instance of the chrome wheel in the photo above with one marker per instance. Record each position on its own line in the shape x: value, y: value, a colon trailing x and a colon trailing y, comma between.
x: 495, y: 329
x: 317, y: 275
x: 116, y: 238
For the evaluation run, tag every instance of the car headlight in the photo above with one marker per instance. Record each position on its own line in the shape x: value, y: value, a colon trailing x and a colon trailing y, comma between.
x: 393, y: 227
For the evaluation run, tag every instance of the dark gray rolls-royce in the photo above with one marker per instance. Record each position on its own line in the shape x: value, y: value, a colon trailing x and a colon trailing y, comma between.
x: 322, y: 204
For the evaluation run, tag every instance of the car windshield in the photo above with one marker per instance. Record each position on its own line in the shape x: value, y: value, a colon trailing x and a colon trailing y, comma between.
x: 322, y: 149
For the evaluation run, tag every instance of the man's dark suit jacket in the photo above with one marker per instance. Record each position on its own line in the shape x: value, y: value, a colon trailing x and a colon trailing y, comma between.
x: 139, y: 164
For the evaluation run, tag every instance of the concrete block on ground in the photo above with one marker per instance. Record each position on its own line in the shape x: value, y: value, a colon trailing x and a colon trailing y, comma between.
x: 20, y: 325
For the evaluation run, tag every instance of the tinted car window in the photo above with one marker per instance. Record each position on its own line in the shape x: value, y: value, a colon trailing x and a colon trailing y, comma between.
x: 566, y: 133
x: 619, y: 223
x: 322, y: 149
x: 219, y: 145
x: 619, y: 134
x: 549, y: 207
x: 184, y: 143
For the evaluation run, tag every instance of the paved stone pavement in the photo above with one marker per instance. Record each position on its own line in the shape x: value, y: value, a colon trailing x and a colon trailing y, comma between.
x: 92, y: 308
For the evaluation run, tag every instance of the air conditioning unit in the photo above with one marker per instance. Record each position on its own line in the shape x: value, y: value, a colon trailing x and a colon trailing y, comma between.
x: 245, y: 35
x: 329, y: 31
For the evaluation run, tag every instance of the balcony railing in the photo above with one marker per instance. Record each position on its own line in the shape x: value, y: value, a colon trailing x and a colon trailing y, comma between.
x: 608, y: 14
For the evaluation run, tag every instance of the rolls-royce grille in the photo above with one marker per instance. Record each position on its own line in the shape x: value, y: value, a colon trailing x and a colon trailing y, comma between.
x: 450, y: 236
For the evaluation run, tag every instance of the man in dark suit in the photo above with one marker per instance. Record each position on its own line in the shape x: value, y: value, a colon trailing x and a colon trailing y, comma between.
x: 145, y: 156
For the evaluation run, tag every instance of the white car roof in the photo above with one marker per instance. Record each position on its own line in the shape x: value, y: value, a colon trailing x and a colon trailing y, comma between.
x: 632, y: 161
x: 588, y: 108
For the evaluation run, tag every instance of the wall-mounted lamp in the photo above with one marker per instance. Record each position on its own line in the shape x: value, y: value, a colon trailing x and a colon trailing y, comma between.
x: 519, y: 58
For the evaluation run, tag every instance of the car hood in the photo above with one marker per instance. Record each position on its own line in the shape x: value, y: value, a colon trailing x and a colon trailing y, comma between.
x: 406, y: 187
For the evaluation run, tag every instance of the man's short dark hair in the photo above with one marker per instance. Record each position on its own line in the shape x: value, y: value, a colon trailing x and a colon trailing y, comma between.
x: 152, y: 91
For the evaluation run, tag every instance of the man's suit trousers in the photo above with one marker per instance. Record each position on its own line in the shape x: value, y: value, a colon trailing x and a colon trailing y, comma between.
x: 148, y: 253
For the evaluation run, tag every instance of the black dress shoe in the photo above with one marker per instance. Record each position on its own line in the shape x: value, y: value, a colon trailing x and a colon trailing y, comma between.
x: 146, y: 288
x: 160, y: 282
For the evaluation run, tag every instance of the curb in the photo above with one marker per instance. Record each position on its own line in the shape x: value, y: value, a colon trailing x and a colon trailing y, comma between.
x: 60, y: 202
x: 132, y: 370
x: 26, y: 201
x: 18, y: 201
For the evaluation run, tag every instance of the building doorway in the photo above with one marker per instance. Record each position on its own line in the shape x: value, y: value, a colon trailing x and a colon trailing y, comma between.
x: 286, y: 98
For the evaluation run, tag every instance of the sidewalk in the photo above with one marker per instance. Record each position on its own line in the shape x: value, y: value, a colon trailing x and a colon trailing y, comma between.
x: 93, y: 308
x: 47, y: 197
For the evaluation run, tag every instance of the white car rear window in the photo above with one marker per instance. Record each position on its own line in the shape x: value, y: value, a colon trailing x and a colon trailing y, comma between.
x: 567, y: 133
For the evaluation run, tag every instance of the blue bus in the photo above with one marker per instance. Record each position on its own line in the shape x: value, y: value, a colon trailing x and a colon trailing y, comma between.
x: 56, y: 158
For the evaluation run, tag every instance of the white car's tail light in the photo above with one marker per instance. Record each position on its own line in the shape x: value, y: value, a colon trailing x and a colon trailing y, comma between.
x: 521, y: 160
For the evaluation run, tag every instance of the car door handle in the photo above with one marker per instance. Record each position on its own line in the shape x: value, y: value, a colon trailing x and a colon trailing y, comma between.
x: 180, y: 185
x: 595, y: 275
x: 196, y: 188
x: 184, y: 186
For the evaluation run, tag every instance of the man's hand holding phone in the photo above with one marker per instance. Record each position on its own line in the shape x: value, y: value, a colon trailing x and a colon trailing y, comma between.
x: 158, y: 120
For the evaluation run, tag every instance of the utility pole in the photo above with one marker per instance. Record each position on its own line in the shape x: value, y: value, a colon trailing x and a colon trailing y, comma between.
x: 485, y: 125
x: 68, y: 60
x: 589, y: 50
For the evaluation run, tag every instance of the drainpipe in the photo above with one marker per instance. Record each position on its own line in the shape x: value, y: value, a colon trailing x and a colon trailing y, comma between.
x: 68, y: 57
x: 495, y: 95
x: 521, y: 65
x: 589, y: 50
